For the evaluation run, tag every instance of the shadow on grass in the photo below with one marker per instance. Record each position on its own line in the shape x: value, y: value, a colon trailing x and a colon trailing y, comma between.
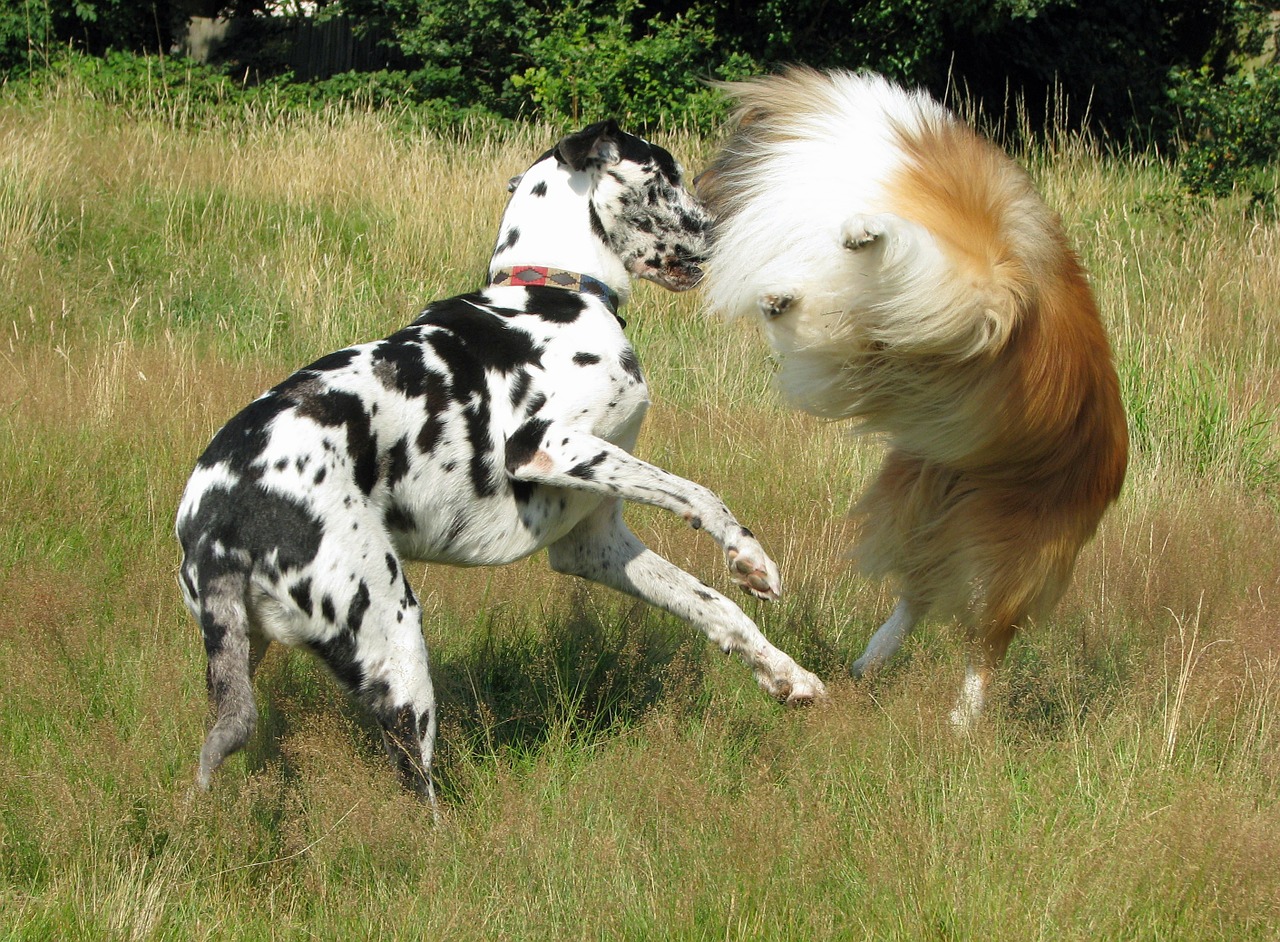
x: 514, y: 685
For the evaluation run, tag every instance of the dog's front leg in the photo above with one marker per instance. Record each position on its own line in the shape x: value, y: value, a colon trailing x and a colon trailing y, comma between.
x: 547, y: 453
x: 601, y: 548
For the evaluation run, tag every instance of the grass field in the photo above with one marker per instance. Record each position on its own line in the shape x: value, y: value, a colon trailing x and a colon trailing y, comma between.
x: 604, y: 774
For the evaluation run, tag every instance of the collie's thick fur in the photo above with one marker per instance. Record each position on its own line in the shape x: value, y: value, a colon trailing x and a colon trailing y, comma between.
x: 911, y: 279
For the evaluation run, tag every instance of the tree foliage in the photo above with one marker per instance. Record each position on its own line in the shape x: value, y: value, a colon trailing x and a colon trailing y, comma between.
x: 1168, y: 71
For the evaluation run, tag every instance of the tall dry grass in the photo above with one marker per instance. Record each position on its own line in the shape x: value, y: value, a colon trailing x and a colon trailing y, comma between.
x: 604, y: 774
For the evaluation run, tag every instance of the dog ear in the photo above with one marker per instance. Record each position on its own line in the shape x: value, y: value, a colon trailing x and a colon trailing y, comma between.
x: 596, y: 142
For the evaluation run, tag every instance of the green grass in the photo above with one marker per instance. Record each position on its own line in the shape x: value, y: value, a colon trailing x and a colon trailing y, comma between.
x: 603, y: 772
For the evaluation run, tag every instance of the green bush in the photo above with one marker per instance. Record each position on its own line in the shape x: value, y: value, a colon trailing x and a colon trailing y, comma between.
x: 134, y: 83
x: 33, y: 31
x: 26, y: 29
x: 587, y: 66
x: 1231, y: 130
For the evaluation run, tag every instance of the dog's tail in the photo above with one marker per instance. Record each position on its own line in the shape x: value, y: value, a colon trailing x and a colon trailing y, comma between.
x: 223, y: 611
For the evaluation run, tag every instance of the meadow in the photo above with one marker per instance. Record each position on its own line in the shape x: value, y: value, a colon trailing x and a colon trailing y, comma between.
x: 603, y: 773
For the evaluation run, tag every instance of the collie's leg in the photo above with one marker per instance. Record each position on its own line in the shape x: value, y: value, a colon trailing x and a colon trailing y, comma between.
x: 984, y: 659
x: 885, y: 643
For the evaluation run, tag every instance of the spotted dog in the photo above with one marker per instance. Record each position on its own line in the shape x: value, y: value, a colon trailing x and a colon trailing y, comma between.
x: 497, y: 424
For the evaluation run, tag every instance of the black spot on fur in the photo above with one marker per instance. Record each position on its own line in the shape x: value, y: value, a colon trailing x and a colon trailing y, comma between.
x: 300, y: 592
x: 249, y: 518
x: 597, y: 226
x: 320, y: 475
x: 586, y: 469
x: 396, y: 461
x: 392, y: 566
x: 585, y: 359
x: 327, y: 610
x: 513, y: 236
x: 332, y: 362
x: 429, y: 435
x: 520, y: 387
x: 396, y: 519
x: 523, y: 443
x: 468, y: 330
x: 336, y: 408
x: 472, y: 341
x: 631, y: 364
x: 473, y: 350
x: 398, y: 363
x: 481, y: 445
x: 535, y: 404
x: 358, y: 608
x: 242, y: 440
x: 539, y: 188
x: 555, y: 304
x: 339, y: 655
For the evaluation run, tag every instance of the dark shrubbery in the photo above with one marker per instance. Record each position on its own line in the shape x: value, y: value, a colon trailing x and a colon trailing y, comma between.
x: 1231, y: 131
x: 1138, y: 72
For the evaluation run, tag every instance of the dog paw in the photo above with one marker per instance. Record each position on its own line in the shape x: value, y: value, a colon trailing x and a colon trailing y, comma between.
x: 775, y: 305
x: 865, y: 666
x: 806, y: 690
x: 753, y: 570
x: 861, y: 231
x: 796, y: 688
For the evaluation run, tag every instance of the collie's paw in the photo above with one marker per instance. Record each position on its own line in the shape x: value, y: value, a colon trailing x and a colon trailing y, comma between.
x: 863, y: 666
x: 775, y: 304
x: 861, y: 231
x: 752, y: 569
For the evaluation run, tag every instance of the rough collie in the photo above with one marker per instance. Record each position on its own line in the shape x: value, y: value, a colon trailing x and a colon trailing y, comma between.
x: 911, y: 279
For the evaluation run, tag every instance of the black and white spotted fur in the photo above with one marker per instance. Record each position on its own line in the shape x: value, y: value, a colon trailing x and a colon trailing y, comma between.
x: 495, y: 425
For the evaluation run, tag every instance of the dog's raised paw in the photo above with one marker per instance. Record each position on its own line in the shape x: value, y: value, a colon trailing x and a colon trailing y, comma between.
x: 753, y: 570
x: 861, y: 231
x: 774, y: 304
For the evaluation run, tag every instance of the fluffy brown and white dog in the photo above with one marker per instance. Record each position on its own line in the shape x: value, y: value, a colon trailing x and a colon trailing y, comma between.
x: 910, y: 278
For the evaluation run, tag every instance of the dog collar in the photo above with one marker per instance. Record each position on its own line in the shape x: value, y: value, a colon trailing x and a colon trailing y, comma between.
x: 526, y: 276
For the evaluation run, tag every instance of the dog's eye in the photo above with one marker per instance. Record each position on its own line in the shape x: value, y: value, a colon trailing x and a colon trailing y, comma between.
x: 514, y: 182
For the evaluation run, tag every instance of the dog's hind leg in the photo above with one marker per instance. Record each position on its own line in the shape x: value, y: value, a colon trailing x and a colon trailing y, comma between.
x: 376, y: 651
x: 885, y: 643
x: 603, y: 549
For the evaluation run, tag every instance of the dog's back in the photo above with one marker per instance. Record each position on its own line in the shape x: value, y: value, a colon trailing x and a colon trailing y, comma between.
x: 923, y: 289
